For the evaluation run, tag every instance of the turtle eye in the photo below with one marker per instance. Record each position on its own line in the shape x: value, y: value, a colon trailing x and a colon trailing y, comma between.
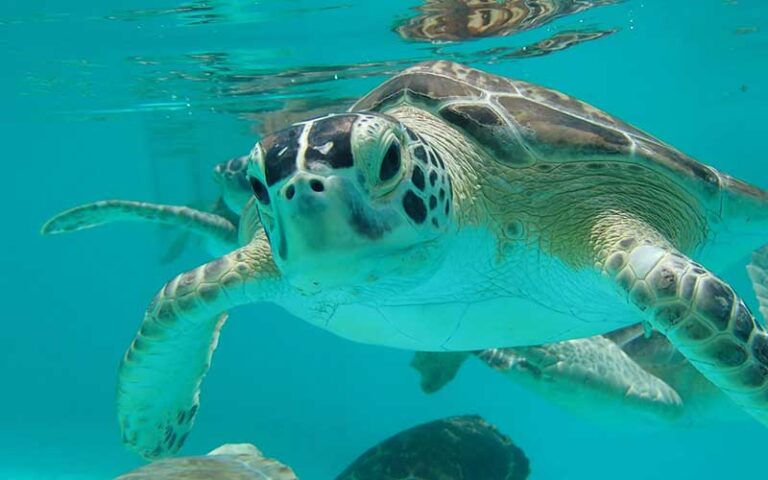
x: 391, y: 163
x: 259, y: 190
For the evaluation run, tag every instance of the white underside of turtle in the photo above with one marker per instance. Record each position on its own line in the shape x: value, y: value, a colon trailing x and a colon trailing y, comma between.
x: 455, y: 210
x: 458, y: 308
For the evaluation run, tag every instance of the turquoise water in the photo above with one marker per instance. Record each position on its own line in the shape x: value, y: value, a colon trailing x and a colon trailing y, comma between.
x: 140, y: 99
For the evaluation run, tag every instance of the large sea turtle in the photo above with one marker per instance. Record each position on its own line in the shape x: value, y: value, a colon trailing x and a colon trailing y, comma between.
x: 626, y: 369
x: 453, y: 448
x: 454, y: 210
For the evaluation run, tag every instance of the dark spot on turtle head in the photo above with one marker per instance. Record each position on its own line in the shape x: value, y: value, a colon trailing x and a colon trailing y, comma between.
x: 627, y: 243
x: 411, y: 134
x: 414, y: 207
x: 432, y: 202
x: 442, y: 194
x: 329, y: 141
x: 432, y: 178
x: 391, y: 163
x: 420, y: 153
x: 280, y: 151
x: 417, y: 177
x: 432, y: 159
x: 435, y: 223
x: 439, y: 159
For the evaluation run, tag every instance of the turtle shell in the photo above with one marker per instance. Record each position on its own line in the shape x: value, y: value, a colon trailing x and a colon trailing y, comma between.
x: 521, y: 124
x: 455, y: 447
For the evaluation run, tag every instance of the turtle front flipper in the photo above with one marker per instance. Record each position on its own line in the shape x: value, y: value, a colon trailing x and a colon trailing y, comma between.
x: 697, y: 311
x: 160, y: 374
x: 586, y: 376
x: 209, y: 225
x: 758, y: 273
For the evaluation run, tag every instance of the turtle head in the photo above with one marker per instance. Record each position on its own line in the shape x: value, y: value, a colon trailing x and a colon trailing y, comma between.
x: 349, y: 199
x: 233, y: 181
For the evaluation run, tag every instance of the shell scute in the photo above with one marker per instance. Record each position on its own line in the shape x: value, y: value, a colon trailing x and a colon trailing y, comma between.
x: 418, y: 87
x: 486, y: 126
x: 550, y: 129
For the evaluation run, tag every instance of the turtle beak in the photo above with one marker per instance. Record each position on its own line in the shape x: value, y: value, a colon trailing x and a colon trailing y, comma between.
x: 312, y: 215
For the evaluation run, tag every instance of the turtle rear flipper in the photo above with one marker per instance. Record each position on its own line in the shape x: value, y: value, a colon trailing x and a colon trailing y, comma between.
x: 583, y: 374
x: 209, y: 225
x: 161, y: 373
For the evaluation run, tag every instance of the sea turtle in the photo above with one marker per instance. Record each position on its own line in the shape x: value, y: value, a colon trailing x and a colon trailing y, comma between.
x: 604, y: 378
x: 451, y: 210
x: 625, y: 369
x: 463, y: 447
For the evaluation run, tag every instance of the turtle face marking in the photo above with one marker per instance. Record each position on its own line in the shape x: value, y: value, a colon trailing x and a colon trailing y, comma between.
x: 345, y: 198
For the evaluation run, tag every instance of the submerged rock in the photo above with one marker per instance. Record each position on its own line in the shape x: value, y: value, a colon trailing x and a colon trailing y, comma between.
x: 228, y: 462
x: 455, y: 448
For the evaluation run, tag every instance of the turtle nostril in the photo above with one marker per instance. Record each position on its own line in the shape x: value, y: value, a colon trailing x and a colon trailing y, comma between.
x: 290, y: 192
x: 316, y: 185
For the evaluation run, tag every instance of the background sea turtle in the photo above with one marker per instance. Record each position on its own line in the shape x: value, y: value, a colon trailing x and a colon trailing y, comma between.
x: 455, y: 210
x: 606, y: 378
x: 464, y: 447
x: 218, y: 227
